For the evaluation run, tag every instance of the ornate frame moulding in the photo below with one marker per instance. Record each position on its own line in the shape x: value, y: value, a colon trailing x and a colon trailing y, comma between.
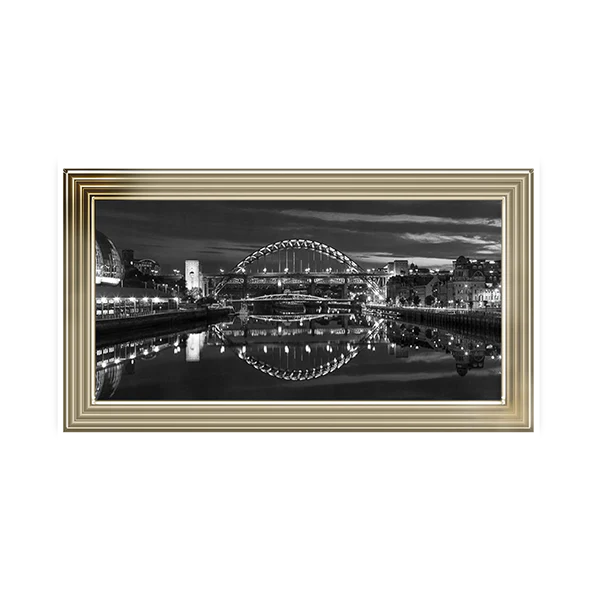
x: 514, y: 188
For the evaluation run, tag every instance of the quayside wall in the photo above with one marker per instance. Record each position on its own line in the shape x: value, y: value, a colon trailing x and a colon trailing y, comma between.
x: 473, y: 322
x: 124, y: 329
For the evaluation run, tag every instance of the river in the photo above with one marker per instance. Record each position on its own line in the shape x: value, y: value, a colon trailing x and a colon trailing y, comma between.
x: 343, y: 357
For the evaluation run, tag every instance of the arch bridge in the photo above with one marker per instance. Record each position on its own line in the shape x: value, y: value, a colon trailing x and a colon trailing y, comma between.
x: 306, y: 261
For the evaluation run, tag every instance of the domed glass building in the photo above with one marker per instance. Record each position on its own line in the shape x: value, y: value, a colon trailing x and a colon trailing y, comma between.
x: 108, y: 265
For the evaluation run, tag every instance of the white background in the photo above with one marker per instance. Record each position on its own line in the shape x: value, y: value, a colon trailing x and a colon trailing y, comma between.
x: 298, y: 84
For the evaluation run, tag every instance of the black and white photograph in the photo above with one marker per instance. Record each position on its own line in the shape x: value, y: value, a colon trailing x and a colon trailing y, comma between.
x: 298, y: 300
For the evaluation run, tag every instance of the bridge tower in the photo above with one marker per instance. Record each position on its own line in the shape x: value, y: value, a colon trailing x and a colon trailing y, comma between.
x: 194, y: 275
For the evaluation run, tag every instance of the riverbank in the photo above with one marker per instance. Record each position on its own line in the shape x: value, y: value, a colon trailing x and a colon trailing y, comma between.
x: 125, y: 329
x: 465, y: 321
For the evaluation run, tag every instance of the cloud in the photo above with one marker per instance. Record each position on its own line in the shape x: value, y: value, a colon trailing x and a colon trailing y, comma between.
x: 491, y: 249
x: 389, y: 218
x: 436, y: 239
x: 483, y: 245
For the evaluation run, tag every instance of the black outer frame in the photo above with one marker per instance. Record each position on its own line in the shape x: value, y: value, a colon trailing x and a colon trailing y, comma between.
x: 543, y: 266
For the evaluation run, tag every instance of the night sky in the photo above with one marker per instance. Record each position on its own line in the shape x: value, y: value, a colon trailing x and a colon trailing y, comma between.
x: 221, y: 233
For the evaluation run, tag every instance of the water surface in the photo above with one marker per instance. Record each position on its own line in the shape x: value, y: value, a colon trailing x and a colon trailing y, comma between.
x: 326, y: 358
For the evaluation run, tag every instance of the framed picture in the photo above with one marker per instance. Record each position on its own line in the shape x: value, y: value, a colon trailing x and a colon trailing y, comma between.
x: 298, y: 300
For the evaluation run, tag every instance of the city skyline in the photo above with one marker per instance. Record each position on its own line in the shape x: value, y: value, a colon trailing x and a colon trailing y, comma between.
x: 373, y: 232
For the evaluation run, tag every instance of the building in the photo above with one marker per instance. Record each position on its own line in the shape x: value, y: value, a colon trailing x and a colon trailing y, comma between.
x: 398, y: 267
x: 465, y: 268
x: 472, y: 284
x: 404, y: 288
x: 475, y: 284
x: 492, y: 270
x: 490, y: 297
x: 436, y: 291
x: 194, y: 276
x: 149, y: 267
x: 414, y: 269
x: 418, y: 294
x: 109, y: 270
x: 464, y: 293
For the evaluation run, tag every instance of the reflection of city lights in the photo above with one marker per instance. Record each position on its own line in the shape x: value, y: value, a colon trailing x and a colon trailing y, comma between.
x: 307, y: 348
x: 286, y: 350
x: 265, y: 349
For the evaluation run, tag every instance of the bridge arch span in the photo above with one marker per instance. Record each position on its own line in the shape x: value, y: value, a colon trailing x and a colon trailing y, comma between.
x: 300, y: 243
x: 299, y: 374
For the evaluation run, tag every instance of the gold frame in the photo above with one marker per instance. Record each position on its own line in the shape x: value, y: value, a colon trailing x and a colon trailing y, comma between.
x: 83, y: 187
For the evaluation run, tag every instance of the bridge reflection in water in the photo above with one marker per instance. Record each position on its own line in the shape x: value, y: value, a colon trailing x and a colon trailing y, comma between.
x: 290, y: 349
